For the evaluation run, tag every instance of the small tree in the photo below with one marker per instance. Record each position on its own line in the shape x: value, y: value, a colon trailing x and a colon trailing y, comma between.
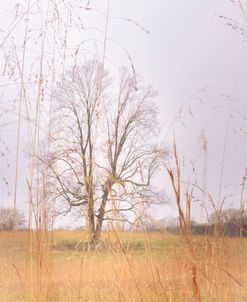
x: 10, y: 220
x: 104, y: 154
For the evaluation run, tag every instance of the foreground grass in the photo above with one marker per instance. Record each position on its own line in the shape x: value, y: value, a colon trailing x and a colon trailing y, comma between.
x: 153, y: 267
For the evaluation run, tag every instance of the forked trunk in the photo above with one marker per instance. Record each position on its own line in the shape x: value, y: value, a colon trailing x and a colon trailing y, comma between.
x: 96, y: 230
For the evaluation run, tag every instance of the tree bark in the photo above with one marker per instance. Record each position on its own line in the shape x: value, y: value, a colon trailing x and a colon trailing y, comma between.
x: 101, y: 216
x: 91, y: 220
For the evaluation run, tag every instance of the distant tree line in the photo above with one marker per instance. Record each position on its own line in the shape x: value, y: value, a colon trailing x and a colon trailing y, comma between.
x: 230, y: 224
x: 10, y: 219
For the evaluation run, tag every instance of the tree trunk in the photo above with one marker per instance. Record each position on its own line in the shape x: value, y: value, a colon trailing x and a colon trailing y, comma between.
x: 101, y: 216
x: 91, y: 221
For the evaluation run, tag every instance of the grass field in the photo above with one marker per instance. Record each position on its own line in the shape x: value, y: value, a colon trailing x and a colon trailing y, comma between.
x: 134, y: 267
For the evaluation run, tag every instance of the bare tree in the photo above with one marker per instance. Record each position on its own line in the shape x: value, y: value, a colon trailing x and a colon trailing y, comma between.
x: 103, y: 155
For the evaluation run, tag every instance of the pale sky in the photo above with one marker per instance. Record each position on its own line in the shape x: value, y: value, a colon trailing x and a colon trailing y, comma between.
x: 195, y: 61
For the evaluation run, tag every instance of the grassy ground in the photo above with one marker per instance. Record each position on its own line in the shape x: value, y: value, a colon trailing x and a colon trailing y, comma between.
x: 153, y: 267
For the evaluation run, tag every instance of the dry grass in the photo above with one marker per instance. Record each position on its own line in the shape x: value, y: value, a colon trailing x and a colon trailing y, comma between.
x: 111, y: 275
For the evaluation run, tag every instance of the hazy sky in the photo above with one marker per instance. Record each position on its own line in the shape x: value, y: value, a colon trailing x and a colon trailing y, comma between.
x: 197, y: 63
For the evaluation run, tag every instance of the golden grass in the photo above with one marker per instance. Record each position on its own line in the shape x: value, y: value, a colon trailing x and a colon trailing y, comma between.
x: 114, y: 276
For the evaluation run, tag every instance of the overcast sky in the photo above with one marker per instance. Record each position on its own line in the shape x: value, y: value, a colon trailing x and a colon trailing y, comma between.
x: 197, y: 63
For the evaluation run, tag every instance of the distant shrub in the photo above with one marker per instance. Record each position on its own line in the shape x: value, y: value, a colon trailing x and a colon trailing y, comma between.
x: 68, y: 245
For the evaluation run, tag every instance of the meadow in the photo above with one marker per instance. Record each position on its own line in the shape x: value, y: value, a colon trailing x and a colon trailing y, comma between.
x: 128, y: 266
